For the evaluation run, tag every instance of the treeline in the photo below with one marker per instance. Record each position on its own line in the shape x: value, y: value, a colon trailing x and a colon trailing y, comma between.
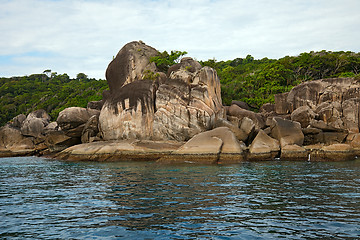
x: 49, y: 91
x: 256, y: 81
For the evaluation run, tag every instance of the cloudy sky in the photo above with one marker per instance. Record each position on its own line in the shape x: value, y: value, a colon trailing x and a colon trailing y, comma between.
x: 69, y: 36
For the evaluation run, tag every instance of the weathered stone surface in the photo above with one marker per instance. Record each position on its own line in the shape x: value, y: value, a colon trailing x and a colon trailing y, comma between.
x: 303, y: 115
x: 241, y: 104
x: 97, y: 105
x: 184, y: 109
x: 267, y: 108
x: 186, y: 64
x: 57, y: 141
x: 281, y: 103
x: 13, y: 143
x: 18, y: 120
x: 124, y: 150
x: 335, y: 152
x: 263, y: 147
x: 293, y: 153
x: 240, y: 113
x: 239, y: 133
x: 90, y: 130
x: 130, y: 113
x: 129, y: 65
x: 215, y: 146
x: 73, y: 117
x: 287, y: 132
x: 35, y: 123
x: 351, y: 113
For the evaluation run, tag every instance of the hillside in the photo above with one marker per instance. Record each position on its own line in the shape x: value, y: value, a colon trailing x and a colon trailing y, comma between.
x: 50, y: 91
x: 256, y: 81
x: 245, y: 79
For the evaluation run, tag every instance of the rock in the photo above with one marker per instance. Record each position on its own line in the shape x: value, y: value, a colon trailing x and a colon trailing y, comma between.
x: 303, y: 115
x: 35, y: 123
x: 186, y: 64
x: 57, y: 141
x: 241, y: 104
x: 13, y: 143
x: 129, y: 65
x: 331, y: 114
x: 97, y: 105
x: 130, y: 113
x: 185, y: 109
x: 263, y: 147
x: 240, y: 113
x: 73, y: 117
x: 351, y: 112
x: 293, y: 153
x: 173, y: 107
x: 124, y: 150
x: 215, y: 146
x: 267, y: 108
x: 335, y: 152
x: 287, y: 132
x: 239, y: 133
x: 281, y: 103
x: 53, y: 126
x: 319, y: 124
x: 18, y: 120
x: 41, y: 113
x: 90, y: 130
x: 33, y: 127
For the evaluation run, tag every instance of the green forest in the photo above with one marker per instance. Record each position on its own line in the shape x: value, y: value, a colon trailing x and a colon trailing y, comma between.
x: 245, y: 79
x: 49, y: 91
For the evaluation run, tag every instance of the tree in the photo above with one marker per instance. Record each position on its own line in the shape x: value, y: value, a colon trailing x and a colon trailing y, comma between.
x: 164, y: 60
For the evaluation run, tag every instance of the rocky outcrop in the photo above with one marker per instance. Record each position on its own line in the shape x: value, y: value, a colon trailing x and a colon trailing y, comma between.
x: 215, y: 146
x: 13, y: 143
x: 287, y: 132
x: 146, y: 104
x: 264, y: 147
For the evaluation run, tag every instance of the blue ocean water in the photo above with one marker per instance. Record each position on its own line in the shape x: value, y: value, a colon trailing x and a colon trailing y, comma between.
x: 49, y: 199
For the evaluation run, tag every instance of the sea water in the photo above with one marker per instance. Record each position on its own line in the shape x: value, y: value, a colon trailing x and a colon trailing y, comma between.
x: 49, y: 199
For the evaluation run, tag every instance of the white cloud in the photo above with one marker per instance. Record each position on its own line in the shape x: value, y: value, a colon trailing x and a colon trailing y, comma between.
x: 82, y: 36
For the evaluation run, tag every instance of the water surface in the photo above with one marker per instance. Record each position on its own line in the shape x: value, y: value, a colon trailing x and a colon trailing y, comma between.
x: 48, y: 199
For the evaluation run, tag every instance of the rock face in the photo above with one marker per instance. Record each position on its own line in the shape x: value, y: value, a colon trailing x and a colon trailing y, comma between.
x: 327, y: 104
x: 214, y: 146
x: 13, y: 142
x: 287, y: 132
x: 146, y: 104
x: 263, y: 147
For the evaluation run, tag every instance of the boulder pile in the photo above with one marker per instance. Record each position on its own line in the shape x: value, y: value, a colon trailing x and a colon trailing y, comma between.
x: 178, y: 117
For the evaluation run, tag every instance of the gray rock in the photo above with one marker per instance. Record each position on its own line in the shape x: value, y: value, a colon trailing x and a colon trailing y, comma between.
x: 287, y: 132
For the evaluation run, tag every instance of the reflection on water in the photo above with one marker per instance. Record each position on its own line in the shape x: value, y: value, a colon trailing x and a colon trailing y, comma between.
x: 46, y: 199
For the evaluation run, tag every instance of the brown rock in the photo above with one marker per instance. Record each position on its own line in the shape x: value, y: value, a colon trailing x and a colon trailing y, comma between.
x: 263, y: 147
x: 240, y: 113
x: 90, y: 130
x: 293, y: 153
x: 73, y: 117
x: 216, y: 146
x: 241, y: 104
x: 287, y: 132
x: 335, y: 152
x: 57, y: 141
x: 18, y: 120
x: 303, y: 115
x: 13, y: 143
x: 129, y: 65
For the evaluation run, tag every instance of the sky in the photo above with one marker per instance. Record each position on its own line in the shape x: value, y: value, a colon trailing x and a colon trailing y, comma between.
x: 68, y: 36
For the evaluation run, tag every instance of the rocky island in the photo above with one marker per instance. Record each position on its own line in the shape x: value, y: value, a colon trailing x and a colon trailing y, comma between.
x: 178, y: 117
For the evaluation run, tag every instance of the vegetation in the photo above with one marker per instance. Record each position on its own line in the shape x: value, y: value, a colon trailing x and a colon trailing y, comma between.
x: 245, y: 79
x: 50, y: 91
x: 164, y: 60
x: 256, y: 81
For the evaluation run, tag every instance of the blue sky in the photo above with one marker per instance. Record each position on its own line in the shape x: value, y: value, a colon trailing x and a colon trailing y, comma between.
x: 82, y: 36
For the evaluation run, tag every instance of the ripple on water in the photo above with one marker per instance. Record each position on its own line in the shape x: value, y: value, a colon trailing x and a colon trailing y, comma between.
x: 46, y: 199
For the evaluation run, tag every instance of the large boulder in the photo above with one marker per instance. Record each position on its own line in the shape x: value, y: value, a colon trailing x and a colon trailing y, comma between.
x: 216, y: 146
x: 91, y: 130
x: 286, y: 132
x: 185, y: 108
x: 35, y: 123
x: 18, y: 121
x: 303, y: 115
x: 57, y: 141
x: 146, y: 104
x: 13, y: 142
x: 73, y: 119
x: 263, y: 147
x: 129, y: 65
x: 241, y: 113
